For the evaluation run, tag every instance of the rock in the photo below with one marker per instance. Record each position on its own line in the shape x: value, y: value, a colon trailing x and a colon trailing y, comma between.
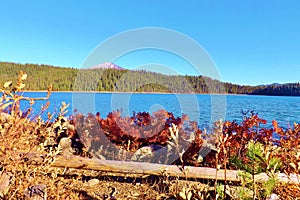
x: 5, y: 181
x: 65, y: 145
x: 92, y: 182
x: 273, y: 197
x: 143, y: 154
x: 36, y: 192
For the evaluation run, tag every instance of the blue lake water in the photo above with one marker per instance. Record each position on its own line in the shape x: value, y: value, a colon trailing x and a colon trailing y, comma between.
x: 203, y: 108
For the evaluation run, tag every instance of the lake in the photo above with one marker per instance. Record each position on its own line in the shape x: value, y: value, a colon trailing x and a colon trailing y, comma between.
x: 203, y: 108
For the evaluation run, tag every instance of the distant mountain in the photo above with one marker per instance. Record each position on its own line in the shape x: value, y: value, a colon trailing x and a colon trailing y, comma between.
x: 276, y: 84
x: 272, y: 84
x: 107, y: 65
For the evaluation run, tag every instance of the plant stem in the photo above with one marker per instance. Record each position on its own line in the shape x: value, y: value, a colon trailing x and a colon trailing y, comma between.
x: 216, y: 180
x: 225, y: 182
x: 253, y: 183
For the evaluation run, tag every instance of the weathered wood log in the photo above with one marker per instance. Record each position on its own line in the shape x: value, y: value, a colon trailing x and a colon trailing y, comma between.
x: 144, y: 168
x: 126, y: 167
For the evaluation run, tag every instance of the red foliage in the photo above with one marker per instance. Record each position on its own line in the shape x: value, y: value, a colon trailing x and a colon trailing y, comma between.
x: 276, y: 128
x: 142, y: 129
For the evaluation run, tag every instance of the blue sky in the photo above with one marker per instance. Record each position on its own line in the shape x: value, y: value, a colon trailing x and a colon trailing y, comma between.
x: 251, y: 42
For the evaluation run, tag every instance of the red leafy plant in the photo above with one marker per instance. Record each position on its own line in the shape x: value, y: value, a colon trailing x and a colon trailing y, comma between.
x: 283, y: 144
x: 289, y: 148
x: 116, y: 134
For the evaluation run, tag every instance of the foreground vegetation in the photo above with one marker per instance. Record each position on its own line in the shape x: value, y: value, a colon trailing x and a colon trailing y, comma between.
x: 246, y: 147
x: 71, y: 79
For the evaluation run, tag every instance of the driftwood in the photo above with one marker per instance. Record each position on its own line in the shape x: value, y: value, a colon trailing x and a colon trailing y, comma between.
x: 142, y: 168
x: 126, y: 167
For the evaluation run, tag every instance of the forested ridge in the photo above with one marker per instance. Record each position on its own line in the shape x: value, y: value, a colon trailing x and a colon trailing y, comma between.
x: 113, y: 80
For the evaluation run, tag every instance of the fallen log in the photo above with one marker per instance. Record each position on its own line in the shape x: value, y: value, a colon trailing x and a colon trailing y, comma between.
x: 126, y: 167
x: 142, y: 168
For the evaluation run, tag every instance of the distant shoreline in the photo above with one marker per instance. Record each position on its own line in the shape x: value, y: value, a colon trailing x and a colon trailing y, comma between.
x: 115, y: 92
x: 64, y: 80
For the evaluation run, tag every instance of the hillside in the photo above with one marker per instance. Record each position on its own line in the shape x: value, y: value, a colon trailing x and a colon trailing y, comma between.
x: 114, y: 78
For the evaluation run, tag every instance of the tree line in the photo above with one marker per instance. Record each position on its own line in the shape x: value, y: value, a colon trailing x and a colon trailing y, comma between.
x: 113, y: 80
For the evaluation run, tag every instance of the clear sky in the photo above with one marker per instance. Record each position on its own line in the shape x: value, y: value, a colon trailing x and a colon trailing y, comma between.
x: 250, y: 41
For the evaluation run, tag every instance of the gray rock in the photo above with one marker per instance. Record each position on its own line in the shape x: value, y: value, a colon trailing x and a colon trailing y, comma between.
x: 36, y: 192
x: 65, y: 146
x: 92, y: 182
x: 5, y: 182
x: 273, y: 197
